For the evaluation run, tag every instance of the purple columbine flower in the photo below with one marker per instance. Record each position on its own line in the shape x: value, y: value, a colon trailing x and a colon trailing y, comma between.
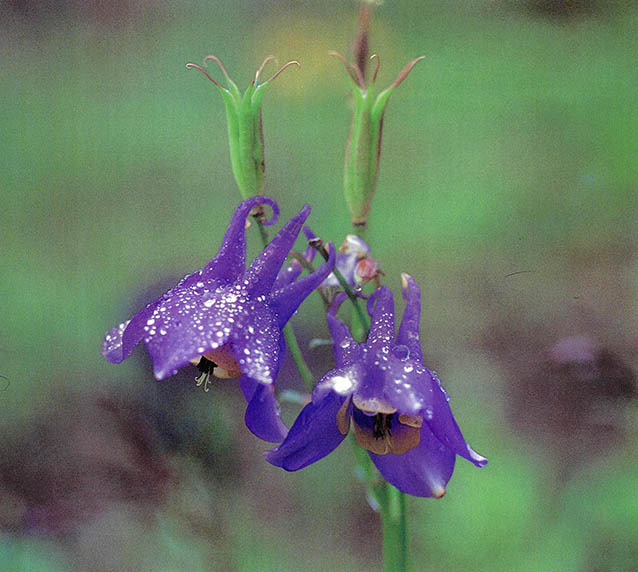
x: 396, y: 405
x: 227, y: 319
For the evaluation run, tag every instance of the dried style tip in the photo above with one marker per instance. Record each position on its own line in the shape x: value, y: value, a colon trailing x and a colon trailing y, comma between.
x: 353, y: 70
x: 262, y: 66
x: 376, y: 67
x: 405, y: 71
x: 220, y: 65
x: 191, y: 66
x: 282, y: 68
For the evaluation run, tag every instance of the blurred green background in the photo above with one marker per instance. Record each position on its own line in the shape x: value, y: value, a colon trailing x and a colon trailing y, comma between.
x: 508, y: 188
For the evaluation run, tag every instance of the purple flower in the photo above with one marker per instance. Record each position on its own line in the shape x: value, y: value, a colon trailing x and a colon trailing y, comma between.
x: 396, y: 405
x: 227, y: 319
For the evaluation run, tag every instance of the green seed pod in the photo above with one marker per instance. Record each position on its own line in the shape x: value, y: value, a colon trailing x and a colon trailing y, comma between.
x: 245, y: 133
x: 363, y: 150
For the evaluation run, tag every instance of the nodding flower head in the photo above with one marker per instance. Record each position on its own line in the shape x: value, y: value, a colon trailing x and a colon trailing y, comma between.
x: 243, y: 115
x: 364, y: 144
x: 396, y: 406
x: 228, y: 319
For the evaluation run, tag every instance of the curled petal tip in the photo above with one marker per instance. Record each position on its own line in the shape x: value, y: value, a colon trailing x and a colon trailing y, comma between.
x: 477, y: 459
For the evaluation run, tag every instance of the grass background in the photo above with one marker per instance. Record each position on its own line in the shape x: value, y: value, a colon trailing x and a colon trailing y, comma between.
x: 511, y: 148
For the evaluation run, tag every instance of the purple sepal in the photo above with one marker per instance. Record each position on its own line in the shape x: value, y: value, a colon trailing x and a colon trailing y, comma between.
x: 423, y: 471
x: 314, y: 434
x: 262, y: 415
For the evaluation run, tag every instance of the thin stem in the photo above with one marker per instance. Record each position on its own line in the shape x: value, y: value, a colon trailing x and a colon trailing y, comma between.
x: 363, y: 318
x: 297, y: 356
x: 395, y: 534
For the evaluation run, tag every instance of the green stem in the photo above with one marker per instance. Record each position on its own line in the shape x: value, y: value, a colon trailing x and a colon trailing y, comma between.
x: 297, y: 356
x: 289, y: 333
x: 395, y: 533
x: 361, y: 315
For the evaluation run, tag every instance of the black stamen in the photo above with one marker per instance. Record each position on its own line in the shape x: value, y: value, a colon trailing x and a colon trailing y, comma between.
x: 206, y: 366
x: 382, y: 425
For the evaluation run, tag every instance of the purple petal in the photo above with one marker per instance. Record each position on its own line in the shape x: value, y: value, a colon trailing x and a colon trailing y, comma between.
x: 257, y: 342
x: 314, y: 434
x: 444, y: 427
x: 286, y: 301
x: 288, y: 274
x: 407, y: 384
x: 423, y: 471
x: 346, y: 349
x: 188, y: 321
x: 120, y: 341
x: 262, y: 415
x: 381, y: 308
x: 261, y: 275
x: 409, y: 329
x: 230, y: 261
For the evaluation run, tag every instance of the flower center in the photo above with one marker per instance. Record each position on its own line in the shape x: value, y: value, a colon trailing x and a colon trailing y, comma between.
x: 383, y: 433
x: 226, y: 366
x: 207, y: 367
x: 220, y: 363
x: 382, y: 425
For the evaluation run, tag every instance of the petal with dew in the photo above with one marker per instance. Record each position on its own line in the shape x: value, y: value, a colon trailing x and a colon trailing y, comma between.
x: 230, y: 261
x: 257, y: 342
x: 345, y: 347
x: 444, y: 427
x: 409, y: 330
x: 262, y: 273
x: 286, y: 301
x: 381, y: 310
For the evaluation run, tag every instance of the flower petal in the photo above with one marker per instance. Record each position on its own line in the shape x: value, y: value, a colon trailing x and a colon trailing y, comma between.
x: 189, y: 321
x: 120, y: 341
x: 346, y: 349
x: 444, y: 427
x: 286, y: 301
x: 410, y: 323
x: 261, y: 275
x: 423, y: 471
x: 288, y: 274
x: 381, y: 309
x: 257, y: 342
x: 230, y: 261
x: 314, y: 434
x: 408, y: 385
x: 262, y: 415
